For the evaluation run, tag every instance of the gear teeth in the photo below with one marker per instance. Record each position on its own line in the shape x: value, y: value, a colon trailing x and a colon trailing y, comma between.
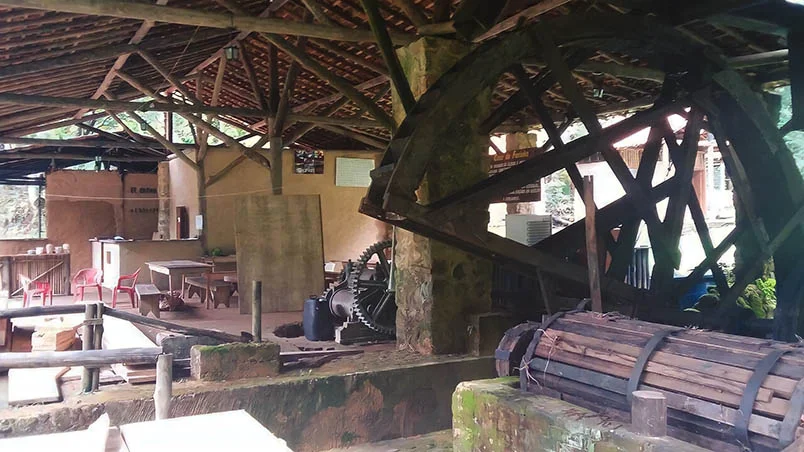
x: 359, y: 311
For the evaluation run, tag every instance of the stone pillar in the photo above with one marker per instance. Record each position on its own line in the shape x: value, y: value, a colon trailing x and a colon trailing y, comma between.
x: 439, y: 287
x: 163, y: 189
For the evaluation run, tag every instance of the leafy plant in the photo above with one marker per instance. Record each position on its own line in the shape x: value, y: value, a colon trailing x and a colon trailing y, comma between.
x: 759, y: 296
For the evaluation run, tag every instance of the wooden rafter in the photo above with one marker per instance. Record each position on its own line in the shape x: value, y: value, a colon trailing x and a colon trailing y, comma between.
x: 398, y: 77
x: 337, y: 82
x: 414, y: 12
x: 186, y: 16
x: 139, y: 35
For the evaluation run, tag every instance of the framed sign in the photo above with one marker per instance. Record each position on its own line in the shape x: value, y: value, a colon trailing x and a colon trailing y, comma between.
x: 308, y: 162
x: 501, y: 162
x: 350, y: 172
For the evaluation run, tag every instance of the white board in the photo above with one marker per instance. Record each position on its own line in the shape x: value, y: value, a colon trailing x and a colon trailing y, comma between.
x: 216, y: 432
x: 351, y: 172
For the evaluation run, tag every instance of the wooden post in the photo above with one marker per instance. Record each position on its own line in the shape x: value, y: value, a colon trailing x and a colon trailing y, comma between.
x: 87, y: 344
x: 649, y: 413
x: 592, y: 259
x: 256, y: 311
x: 97, y: 342
x: 163, y: 392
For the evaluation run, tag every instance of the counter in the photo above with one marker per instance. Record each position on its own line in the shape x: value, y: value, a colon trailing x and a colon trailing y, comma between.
x: 124, y: 257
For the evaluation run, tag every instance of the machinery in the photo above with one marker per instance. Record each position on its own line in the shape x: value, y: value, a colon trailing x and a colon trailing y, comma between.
x: 364, y: 293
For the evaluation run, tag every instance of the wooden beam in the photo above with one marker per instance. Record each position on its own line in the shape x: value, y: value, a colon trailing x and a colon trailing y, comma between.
x: 139, y: 35
x: 355, y: 136
x: 33, y: 360
x: 248, y: 68
x: 517, y: 19
x: 398, y: 77
x: 156, y: 135
x: 318, y: 12
x: 338, y: 83
x: 109, y: 105
x: 196, y: 18
x: 215, y: 178
x: 12, y: 155
x: 442, y: 10
x: 334, y: 48
x: 592, y: 256
x: 376, y: 81
x: 82, y: 143
x: 56, y: 125
x: 413, y: 11
x: 287, y: 91
x: 102, y: 53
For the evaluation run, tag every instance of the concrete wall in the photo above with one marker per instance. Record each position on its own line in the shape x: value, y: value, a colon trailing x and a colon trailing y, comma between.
x: 346, y: 232
x: 19, y: 246
x: 84, y: 204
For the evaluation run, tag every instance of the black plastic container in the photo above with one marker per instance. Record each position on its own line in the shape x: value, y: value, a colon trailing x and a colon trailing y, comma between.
x: 317, y: 322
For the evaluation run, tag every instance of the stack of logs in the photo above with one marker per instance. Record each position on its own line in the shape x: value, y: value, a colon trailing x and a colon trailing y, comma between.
x: 588, y: 359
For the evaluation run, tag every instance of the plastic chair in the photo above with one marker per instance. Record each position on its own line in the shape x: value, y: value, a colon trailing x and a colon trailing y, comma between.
x: 129, y: 289
x: 31, y: 289
x: 88, y: 277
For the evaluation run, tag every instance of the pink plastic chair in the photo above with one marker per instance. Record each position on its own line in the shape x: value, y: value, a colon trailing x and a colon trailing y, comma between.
x: 31, y: 289
x: 127, y: 288
x: 88, y: 277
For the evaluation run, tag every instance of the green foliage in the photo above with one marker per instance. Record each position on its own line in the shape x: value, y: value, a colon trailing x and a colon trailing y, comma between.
x: 794, y: 140
x: 759, y: 296
x: 558, y: 198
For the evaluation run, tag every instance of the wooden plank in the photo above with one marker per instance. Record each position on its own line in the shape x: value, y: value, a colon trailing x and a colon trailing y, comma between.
x: 592, y: 257
x: 27, y: 386
x: 279, y: 242
x: 119, y: 333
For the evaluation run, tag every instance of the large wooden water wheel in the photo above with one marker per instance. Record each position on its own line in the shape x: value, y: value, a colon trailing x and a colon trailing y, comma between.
x: 697, y: 85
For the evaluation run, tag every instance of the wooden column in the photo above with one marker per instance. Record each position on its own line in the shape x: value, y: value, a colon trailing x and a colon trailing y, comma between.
x: 256, y: 310
x: 276, y: 164
x: 592, y: 256
x: 163, y: 189
x: 163, y: 391
x: 87, y: 344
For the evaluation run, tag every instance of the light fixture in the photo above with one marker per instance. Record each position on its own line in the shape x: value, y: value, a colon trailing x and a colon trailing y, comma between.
x: 231, y: 52
x: 598, y: 93
x: 143, y: 125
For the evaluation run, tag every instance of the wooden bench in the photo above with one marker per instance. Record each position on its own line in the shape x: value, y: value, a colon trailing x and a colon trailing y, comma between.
x: 148, y: 299
x: 210, y: 286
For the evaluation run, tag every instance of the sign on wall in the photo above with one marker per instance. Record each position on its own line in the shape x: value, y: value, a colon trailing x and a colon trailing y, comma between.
x: 351, y: 172
x: 501, y: 162
x: 309, y: 162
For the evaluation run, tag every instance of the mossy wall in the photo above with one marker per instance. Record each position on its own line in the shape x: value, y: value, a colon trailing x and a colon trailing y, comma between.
x: 494, y: 416
x: 438, y: 286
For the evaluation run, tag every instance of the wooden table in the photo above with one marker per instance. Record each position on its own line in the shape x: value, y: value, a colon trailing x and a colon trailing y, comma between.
x: 177, y: 269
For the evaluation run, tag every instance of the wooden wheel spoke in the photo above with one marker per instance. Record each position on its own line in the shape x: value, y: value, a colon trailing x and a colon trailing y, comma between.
x: 586, y: 113
x: 519, y: 101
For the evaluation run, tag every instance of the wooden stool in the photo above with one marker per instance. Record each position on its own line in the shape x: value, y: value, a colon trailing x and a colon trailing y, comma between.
x: 148, y: 299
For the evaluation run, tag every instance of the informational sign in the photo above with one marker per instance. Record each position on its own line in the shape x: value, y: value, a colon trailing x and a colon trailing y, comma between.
x: 501, y: 162
x: 309, y: 162
x: 350, y: 172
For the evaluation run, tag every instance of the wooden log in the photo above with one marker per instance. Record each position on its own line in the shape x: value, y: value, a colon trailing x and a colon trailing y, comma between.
x: 199, y: 18
x: 97, y: 341
x: 36, y: 311
x: 256, y: 310
x: 592, y: 256
x: 163, y: 390
x: 649, y: 413
x: 86, y: 345
x: 174, y: 327
x: 79, y: 358
x: 700, y: 369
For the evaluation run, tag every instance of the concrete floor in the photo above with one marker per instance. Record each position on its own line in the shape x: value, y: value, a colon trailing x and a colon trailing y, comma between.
x: 195, y: 314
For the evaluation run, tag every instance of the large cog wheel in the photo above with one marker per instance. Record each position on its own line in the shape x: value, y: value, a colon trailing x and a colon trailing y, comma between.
x: 375, y: 303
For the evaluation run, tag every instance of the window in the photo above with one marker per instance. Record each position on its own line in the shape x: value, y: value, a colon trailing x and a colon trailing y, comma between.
x: 22, y: 212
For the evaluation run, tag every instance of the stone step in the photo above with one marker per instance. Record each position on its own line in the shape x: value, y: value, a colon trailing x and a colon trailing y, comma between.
x: 440, y: 441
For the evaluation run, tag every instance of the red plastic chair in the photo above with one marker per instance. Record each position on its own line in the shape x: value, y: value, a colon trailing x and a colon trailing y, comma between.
x: 129, y: 289
x: 88, y: 277
x: 31, y: 289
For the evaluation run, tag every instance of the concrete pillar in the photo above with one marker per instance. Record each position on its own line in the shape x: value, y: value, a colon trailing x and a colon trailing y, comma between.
x: 439, y: 287
x: 163, y: 189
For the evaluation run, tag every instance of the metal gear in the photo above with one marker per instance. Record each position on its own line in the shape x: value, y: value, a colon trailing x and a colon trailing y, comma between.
x: 375, y: 302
